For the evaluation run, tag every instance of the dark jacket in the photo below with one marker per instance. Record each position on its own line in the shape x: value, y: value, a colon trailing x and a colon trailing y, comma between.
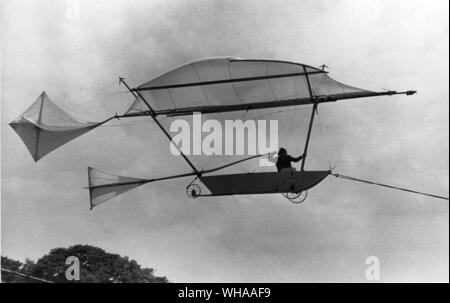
x: 285, y: 161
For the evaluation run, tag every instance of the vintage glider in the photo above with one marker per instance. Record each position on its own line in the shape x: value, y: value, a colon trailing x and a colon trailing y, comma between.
x: 212, y: 85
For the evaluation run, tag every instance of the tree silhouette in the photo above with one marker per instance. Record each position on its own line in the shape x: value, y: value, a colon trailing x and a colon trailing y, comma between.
x: 96, y: 266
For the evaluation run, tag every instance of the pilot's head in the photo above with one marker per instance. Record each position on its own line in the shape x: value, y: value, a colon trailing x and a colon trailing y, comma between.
x: 282, y: 152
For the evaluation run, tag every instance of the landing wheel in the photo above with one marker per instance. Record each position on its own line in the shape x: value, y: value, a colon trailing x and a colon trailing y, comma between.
x: 193, y: 191
x: 296, y: 198
x: 291, y: 193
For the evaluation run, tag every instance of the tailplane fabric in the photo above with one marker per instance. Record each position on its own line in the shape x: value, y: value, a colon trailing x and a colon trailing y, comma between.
x: 104, y: 186
x: 44, y: 126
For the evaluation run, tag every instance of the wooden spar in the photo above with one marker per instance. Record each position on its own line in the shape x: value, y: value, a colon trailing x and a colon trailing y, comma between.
x: 311, y: 95
x: 203, y: 172
x: 209, y: 109
x: 226, y: 81
x: 231, y: 164
x: 314, y: 109
x: 160, y: 125
x: 143, y: 181
x: 38, y: 130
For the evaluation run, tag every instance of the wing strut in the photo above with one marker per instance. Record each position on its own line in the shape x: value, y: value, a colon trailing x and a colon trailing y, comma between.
x: 314, y: 110
x: 137, y: 94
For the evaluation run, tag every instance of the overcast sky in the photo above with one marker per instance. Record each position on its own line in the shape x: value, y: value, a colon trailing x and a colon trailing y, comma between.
x: 76, y: 50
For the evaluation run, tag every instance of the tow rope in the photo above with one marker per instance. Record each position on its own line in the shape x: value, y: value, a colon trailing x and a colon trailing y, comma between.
x: 389, y: 186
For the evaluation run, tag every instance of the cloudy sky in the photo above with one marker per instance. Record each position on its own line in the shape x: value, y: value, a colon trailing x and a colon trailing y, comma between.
x: 76, y: 50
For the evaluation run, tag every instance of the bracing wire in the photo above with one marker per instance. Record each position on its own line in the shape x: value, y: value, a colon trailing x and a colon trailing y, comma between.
x: 145, y: 121
x: 280, y: 111
x: 325, y: 146
x: 390, y: 186
x: 126, y: 124
x: 299, y: 144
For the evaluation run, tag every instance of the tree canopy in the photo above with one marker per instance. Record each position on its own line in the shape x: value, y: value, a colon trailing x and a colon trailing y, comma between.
x: 96, y: 266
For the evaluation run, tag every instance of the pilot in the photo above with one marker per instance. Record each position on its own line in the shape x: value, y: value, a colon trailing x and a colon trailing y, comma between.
x: 284, y: 160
